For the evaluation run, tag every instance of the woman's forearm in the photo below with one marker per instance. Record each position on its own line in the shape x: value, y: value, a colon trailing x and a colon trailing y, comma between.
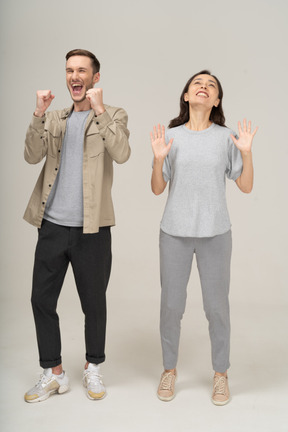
x: 158, y: 183
x: 245, y: 181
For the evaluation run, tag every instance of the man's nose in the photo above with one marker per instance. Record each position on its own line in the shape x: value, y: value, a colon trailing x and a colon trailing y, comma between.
x: 74, y: 74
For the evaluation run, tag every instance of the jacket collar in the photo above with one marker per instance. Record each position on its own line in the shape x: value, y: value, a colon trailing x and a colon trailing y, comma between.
x: 66, y: 112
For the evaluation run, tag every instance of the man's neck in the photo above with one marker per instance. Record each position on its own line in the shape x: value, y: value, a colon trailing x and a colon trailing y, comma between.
x: 82, y: 106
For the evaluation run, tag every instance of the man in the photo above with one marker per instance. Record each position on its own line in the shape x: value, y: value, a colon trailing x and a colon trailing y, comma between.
x: 72, y: 207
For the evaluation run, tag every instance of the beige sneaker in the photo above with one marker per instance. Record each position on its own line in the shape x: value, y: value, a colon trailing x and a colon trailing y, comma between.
x: 166, y: 389
x: 47, y: 385
x: 221, y: 394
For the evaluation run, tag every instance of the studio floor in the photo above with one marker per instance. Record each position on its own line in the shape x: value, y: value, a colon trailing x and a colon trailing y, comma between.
x: 258, y: 377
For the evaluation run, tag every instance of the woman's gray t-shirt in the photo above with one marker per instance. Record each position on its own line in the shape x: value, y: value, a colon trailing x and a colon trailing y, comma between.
x: 197, y: 166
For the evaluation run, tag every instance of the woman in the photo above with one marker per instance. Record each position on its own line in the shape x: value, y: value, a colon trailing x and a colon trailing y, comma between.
x: 200, y: 152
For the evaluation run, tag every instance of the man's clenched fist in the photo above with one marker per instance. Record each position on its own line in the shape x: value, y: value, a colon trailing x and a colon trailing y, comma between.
x: 43, y: 100
x: 95, y: 97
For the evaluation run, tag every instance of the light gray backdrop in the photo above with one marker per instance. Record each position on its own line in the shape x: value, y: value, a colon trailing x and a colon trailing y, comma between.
x: 148, y: 50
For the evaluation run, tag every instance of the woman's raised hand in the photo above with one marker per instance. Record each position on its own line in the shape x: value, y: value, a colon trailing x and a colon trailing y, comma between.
x: 244, y: 142
x: 159, y: 146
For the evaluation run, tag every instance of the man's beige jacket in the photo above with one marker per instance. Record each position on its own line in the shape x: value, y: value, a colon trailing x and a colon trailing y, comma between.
x: 105, y: 140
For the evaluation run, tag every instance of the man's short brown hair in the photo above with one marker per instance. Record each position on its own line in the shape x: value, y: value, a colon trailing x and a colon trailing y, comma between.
x: 80, y: 52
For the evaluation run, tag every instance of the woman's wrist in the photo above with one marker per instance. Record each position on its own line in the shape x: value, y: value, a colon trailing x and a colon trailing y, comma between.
x: 159, y: 160
x: 246, y: 154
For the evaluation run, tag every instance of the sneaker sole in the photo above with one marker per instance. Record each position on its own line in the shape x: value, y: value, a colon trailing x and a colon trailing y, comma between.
x: 62, y: 389
x: 219, y: 403
x: 166, y: 399
x: 96, y: 399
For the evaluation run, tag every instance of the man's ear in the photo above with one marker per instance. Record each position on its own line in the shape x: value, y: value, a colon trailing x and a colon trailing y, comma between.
x: 96, y: 77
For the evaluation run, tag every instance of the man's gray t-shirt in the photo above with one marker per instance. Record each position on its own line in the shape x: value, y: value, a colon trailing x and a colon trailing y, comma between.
x: 65, y: 203
x: 197, y: 166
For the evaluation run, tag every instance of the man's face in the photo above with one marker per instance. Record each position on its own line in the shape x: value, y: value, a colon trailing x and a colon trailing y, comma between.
x: 80, y: 77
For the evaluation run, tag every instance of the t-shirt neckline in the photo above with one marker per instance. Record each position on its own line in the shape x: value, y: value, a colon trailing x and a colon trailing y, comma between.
x: 184, y: 127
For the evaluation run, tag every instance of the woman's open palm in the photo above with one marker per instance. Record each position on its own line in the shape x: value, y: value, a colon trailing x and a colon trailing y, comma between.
x: 159, y: 146
x: 244, y: 142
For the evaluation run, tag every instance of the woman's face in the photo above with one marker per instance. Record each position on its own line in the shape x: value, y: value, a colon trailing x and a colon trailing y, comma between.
x: 203, y: 91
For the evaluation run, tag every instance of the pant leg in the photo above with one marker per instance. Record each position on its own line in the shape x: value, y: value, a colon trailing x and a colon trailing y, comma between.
x: 176, y: 254
x: 50, y: 267
x: 91, y: 262
x: 213, y: 260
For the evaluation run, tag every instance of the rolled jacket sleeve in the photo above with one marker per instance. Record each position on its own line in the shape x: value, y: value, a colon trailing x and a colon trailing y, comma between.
x: 114, y: 132
x: 35, y: 143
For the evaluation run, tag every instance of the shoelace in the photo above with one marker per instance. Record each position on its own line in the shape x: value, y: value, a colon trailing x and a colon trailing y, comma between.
x: 43, y: 381
x: 93, y: 377
x: 219, y: 387
x: 166, y: 382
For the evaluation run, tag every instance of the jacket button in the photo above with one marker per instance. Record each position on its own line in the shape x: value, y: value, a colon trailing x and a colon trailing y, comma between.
x: 43, y: 202
x: 43, y: 121
x: 59, y: 151
x: 56, y: 169
x: 103, y: 139
x: 49, y: 185
x: 97, y: 122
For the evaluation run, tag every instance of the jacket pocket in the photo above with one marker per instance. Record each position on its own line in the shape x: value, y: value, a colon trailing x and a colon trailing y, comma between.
x: 94, y: 142
x: 53, y: 128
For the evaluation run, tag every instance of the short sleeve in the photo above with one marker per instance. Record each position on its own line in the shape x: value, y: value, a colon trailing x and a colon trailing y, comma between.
x: 235, y: 163
x: 166, y: 170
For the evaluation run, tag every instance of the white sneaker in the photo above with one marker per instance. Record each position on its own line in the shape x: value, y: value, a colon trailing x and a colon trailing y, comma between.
x: 92, y: 380
x: 47, y: 385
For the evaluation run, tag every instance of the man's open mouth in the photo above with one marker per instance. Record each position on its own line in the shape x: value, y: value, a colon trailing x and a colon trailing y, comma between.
x: 77, y: 88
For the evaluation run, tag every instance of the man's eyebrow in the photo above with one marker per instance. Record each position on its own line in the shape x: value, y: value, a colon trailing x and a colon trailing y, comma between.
x: 80, y: 67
